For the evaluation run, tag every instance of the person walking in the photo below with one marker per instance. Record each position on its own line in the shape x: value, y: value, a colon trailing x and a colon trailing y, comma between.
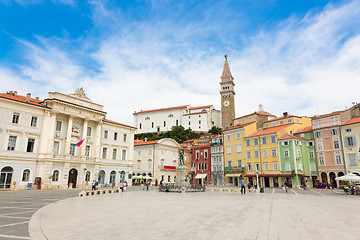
x: 147, y: 186
x: 242, y: 183
x: 93, y: 187
x: 249, y: 186
x: 124, y: 186
x: 284, y: 187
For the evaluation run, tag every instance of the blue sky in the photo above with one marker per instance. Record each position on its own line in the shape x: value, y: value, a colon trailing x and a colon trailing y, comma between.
x: 298, y: 56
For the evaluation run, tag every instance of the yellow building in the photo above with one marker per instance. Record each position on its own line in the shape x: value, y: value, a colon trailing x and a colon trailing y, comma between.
x: 350, y: 132
x: 262, y: 151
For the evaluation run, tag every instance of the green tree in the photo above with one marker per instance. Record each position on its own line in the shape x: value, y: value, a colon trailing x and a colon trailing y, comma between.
x: 215, y: 130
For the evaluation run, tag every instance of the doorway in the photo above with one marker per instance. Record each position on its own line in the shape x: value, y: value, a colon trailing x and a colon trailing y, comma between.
x: 72, y: 178
x: 6, y: 177
x: 276, y: 181
x: 332, y: 179
x: 267, y: 181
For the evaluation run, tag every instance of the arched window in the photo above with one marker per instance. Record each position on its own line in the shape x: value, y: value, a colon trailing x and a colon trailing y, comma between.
x: 162, y: 163
x: 6, y: 177
x: 55, y: 176
x: 112, y: 176
x: 149, y: 163
x: 26, y: 175
x: 138, y: 164
x: 122, y: 176
x: 87, y: 176
x: 101, y: 178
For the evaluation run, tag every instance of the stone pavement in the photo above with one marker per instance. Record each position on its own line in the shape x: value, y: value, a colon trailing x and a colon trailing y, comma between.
x: 310, y: 214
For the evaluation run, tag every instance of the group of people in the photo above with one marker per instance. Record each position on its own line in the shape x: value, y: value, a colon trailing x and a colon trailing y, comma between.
x: 95, y: 184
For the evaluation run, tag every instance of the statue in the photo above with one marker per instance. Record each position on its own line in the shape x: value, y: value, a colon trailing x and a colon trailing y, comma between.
x: 181, y: 157
x: 80, y: 93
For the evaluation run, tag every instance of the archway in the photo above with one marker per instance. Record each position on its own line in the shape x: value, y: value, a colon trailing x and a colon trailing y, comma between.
x: 332, y: 179
x: 101, y: 178
x: 72, y: 178
x: 324, y: 177
x: 6, y: 177
x: 339, y: 175
x: 112, y: 176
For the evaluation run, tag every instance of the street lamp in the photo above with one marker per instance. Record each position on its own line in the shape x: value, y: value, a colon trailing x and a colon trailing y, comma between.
x: 83, y: 187
x: 257, y: 182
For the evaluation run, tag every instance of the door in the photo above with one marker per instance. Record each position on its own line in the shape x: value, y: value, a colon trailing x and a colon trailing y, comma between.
x: 72, y: 178
x: 236, y: 181
x: 6, y: 177
x: 267, y: 181
x: 276, y: 182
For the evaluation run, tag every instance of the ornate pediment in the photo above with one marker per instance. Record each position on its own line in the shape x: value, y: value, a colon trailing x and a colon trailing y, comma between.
x: 80, y: 93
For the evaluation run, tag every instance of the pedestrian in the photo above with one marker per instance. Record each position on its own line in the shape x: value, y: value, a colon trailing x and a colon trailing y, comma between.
x: 124, y: 186
x: 242, y: 183
x: 249, y: 186
x: 96, y: 184
x: 93, y: 187
x: 147, y: 186
x: 284, y: 187
x: 255, y: 185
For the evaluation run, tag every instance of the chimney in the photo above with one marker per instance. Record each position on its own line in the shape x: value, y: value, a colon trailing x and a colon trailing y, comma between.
x: 285, y: 114
x: 28, y: 97
x: 15, y: 93
x: 37, y: 98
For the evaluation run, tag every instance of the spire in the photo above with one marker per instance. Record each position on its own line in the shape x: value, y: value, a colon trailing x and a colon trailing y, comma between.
x: 226, y: 75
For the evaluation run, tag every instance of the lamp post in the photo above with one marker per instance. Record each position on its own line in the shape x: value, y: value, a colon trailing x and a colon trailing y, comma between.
x: 83, y: 186
x: 257, y: 182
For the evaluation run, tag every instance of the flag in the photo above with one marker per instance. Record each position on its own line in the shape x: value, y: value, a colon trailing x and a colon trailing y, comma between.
x: 79, y: 143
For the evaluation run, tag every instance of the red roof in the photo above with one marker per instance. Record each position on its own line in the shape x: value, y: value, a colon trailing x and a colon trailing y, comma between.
x: 238, y: 126
x: 22, y: 99
x: 259, y: 113
x: 109, y: 121
x: 328, y: 114
x: 307, y: 129
x: 191, y: 140
x: 287, y: 136
x: 162, y: 109
x: 145, y: 143
x: 351, y: 121
x: 269, y: 130
x: 282, y: 117
x: 202, y: 145
x: 207, y: 106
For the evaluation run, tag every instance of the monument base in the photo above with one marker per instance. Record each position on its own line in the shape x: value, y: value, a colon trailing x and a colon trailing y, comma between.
x: 181, y: 177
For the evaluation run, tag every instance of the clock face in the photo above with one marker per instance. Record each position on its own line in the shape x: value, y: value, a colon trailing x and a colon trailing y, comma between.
x: 226, y: 103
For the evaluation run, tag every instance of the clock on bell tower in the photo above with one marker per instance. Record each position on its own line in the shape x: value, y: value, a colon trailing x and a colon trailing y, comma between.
x: 227, y: 93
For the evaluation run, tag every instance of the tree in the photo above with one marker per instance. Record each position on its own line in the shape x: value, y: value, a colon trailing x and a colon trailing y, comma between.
x: 215, y: 130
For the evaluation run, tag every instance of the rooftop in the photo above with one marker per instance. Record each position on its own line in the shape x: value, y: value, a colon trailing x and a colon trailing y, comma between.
x: 351, y: 121
x: 304, y: 130
x: 18, y: 98
x: 269, y: 130
x: 137, y: 143
x: 194, y: 108
x: 288, y: 136
x: 162, y: 109
x: 113, y: 122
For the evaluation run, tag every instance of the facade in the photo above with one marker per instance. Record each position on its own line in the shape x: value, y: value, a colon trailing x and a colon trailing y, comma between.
x: 199, y: 119
x: 156, y: 159
x: 217, y: 162
x: 227, y: 93
x: 350, y: 132
x: 37, y: 143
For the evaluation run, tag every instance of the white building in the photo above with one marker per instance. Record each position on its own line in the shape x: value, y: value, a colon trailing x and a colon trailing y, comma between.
x: 157, y: 159
x: 199, y: 119
x: 37, y: 142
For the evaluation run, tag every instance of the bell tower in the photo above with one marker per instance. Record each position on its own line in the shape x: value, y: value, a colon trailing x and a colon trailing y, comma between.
x: 227, y: 93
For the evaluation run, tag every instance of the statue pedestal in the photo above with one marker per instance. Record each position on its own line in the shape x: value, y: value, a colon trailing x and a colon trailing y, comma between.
x: 181, y: 177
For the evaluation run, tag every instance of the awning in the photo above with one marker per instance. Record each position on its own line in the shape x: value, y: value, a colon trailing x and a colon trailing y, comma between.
x: 233, y: 175
x: 349, y: 177
x: 270, y: 175
x: 201, y: 175
x: 303, y: 175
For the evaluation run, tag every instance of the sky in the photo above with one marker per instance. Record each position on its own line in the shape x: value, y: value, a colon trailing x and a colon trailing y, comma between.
x: 299, y: 56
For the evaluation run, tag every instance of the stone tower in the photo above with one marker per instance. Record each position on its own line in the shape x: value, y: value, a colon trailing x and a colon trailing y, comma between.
x: 227, y: 93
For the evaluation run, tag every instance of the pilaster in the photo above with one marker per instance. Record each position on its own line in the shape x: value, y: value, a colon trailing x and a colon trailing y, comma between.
x: 68, y: 135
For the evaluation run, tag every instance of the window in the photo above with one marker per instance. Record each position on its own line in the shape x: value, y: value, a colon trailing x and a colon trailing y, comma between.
x: 177, y: 122
x: 273, y: 124
x: 286, y: 153
x: 264, y: 140
x: 72, y: 149
x: 318, y: 123
x: 302, y: 135
x: 58, y: 126
x: 243, y: 120
x: 274, y: 152
x: 30, y: 145
x: 249, y: 167
x: 123, y: 154
x: 229, y: 163
x: 199, y: 122
x: 317, y: 134
x: 333, y: 131
x: 87, y: 176
x: 311, y: 154
x: 266, y: 125
x: 256, y: 153
x: 12, y: 143
x: 237, y: 135
x: 336, y: 144
x: 312, y: 167
x: 287, y: 166
x: 289, y: 120
x: 248, y: 154
x: 310, y: 143
x: 125, y: 137
x: 298, y: 153
x: 87, y: 150
x: 256, y: 141
x: 26, y: 175
x: 238, y: 148
x: 164, y: 123
x: 56, y: 147
x: 338, y: 159
x: 250, y: 118
x: 205, y: 154
x: 33, y: 121
x: 228, y: 136
x: 320, y: 146
x: 114, y: 154
x: 248, y: 142
x: 349, y: 141
x: 140, y: 126
x: 88, y: 132
x: 138, y: 164
x: 162, y: 163
x: 150, y: 151
x: 139, y: 152
x: 286, y: 143
x: 169, y: 178
x: 197, y: 155
x: 275, y: 165
x: 104, y: 153
x: 265, y: 152
x: 352, y: 159
x: 266, y: 166
x: 321, y: 160
x: 334, y: 121
x: 16, y: 117
x: 281, y: 122
x: 106, y: 133
x: 115, y: 136
x: 55, y: 176
x: 152, y: 124
x: 298, y: 120
x: 273, y: 139
x: 257, y: 167
x: 348, y: 130
x: 149, y: 164
x: 300, y: 166
x: 229, y: 149
x: 239, y: 164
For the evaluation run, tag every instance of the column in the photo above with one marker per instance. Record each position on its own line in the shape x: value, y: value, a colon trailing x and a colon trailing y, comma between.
x: 45, y: 132
x: 51, y: 130
x: 84, y: 133
x: 68, y: 135
x: 97, y: 140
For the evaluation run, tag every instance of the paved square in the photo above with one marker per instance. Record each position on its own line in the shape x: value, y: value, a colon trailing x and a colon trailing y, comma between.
x: 310, y: 214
